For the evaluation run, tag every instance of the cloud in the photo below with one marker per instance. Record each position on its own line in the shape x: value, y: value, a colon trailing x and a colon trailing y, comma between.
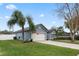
x: 7, y: 17
x: 10, y: 7
x: 1, y: 17
x: 4, y: 17
x: 42, y: 15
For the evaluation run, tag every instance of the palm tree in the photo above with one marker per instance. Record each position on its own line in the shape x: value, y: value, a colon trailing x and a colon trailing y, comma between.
x: 31, y: 25
x: 17, y: 18
x: 10, y: 24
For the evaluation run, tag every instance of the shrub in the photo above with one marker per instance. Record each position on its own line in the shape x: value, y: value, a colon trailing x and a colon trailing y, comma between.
x: 62, y: 38
x: 31, y: 40
x: 15, y: 38
x: 77, y: 37
x: 66, y: 38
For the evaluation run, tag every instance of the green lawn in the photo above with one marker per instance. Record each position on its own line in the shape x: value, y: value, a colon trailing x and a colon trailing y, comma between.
x: 68, y: 41
x: 14, y: 48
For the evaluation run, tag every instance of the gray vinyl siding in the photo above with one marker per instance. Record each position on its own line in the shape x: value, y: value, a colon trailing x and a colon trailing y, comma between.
x: 19, y: 36
x: 41, y: 31
x: 51, y: 36
x: 27, y: 36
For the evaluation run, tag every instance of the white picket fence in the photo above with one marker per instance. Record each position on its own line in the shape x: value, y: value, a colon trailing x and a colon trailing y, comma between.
x: 6, y: 36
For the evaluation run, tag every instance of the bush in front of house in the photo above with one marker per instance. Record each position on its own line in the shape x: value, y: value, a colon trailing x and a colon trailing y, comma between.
x: 62, y: 38
x: 15, y: 38
x: 77, y: 37
x: 31, y: 40
x: 65, y: 38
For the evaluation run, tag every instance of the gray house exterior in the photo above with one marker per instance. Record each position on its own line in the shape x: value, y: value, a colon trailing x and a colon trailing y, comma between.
x: 51, y: 34
x: 27, y: 35
x: 41, y: 33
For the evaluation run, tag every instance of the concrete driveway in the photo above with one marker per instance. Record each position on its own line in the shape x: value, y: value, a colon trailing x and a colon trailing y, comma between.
x: 67, y: 45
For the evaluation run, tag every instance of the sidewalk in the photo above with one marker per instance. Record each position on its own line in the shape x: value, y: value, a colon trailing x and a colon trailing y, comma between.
x: 67, y: 45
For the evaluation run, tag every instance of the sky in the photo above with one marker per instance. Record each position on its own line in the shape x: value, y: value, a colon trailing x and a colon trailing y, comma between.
x: 41, y: 13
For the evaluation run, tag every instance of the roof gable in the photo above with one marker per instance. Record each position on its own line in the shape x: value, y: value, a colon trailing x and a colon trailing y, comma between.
x: 36, y: 26
x: 43, y: 27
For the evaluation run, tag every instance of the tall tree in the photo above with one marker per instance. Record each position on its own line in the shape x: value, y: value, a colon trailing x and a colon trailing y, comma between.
x: 60, y: 30
x: 17, y: 18
x: 31, y: 25
x: 70, y: 13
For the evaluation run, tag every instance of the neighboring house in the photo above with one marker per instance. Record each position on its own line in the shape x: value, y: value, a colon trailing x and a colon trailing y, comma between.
x: 41, y: 33
x: 65, y: 35
x: 51, y: 34
x: 6, y: 35
x: 77, y: 33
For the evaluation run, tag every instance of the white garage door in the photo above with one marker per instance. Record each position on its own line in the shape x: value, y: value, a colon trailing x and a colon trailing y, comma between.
x: 38, y: 36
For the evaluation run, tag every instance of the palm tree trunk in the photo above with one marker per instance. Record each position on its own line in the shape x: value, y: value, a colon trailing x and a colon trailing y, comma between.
x: 23, y: 33
x: 31, y: 36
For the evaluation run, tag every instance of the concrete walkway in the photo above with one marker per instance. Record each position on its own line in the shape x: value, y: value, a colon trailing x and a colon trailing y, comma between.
x: 67, y: 45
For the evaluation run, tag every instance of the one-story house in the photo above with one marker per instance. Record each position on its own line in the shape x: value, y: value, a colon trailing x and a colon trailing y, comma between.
x: 41, y: 33
x: 52, y: 34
